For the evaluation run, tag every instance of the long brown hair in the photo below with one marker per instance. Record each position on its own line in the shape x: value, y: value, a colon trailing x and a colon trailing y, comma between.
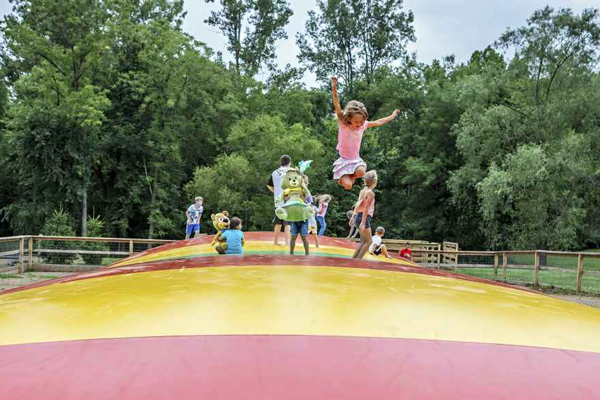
x: 352, y: 108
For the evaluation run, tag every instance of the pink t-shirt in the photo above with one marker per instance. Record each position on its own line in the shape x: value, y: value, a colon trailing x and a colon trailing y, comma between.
x: 371, y: 209
x: 349, y: 140
x: 322, y: 209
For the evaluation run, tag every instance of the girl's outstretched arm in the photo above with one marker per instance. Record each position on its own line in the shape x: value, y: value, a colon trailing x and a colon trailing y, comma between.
x: 383, y: 121
x: 336, y: 100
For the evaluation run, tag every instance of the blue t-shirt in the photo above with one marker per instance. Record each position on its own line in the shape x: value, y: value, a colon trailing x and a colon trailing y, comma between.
x: 233, y: 237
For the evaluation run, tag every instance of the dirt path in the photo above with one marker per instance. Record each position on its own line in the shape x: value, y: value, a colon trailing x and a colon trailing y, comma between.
x: 11, y: 279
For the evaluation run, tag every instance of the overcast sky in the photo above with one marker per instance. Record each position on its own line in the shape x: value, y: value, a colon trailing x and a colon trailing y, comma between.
x: 443, y: 27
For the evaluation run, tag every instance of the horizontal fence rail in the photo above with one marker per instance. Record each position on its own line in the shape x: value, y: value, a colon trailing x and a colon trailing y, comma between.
x: 68, y: 253
x: 499, y: 261
x: 538, y: 267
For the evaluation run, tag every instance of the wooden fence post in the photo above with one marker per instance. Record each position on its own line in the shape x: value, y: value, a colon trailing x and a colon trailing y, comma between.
x: 496, y: 261
x: 439, y: 256
x: 30, y: 253
x: 130, y: 247
x: 536, y: 278
x: 579, y: 272
x: 504, y: 265
x: 21, y: 248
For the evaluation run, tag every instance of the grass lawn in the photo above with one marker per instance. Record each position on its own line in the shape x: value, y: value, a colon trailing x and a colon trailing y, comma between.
x: 109, y: 260
x: 10, y: 276
x: 590, y: 264
x: 565, y: 279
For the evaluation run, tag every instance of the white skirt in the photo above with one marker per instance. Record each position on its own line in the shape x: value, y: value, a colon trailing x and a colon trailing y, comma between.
x: 343, y: 166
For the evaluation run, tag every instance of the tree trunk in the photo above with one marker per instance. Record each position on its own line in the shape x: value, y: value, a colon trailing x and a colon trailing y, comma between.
x: 152, y: 201
x: 84, y: 212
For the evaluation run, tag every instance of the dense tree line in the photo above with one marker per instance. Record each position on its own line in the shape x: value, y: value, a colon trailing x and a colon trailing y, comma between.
x: 111, y: 115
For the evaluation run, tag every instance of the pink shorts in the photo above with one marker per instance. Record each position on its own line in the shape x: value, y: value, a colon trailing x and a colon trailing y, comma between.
x: 343, y: 166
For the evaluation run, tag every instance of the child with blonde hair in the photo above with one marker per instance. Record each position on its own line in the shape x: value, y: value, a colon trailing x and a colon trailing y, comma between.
x: 353, y: 229
x: 323, y: 201
x: 312, y: 221
x: 363, y: 213
x: 353, y: 121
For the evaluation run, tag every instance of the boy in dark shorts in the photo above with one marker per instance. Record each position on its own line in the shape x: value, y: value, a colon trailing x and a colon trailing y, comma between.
x: 299, y: 228
x: 377, y: 247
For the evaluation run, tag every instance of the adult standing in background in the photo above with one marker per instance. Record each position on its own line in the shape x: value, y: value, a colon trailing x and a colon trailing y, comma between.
x: 274, y: 186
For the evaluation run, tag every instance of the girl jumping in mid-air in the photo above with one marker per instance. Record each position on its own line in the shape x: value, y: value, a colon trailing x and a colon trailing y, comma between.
x: 353, y: 121
x: 363, y: 212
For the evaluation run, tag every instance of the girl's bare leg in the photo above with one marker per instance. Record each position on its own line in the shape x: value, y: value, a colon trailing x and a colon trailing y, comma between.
x: 385, y: 252
x: 357, y: 251
x: 293, y: 243
x: 316, y: 239
x: 362, y: 246
x: 305, y: 241
x: 346, y: 182
x: 366, y: 238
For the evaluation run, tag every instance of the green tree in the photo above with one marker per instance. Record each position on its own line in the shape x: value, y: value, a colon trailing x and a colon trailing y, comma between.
x: 58, y: 112
x: 171, y: 106
x: 251, y: 28
x: 353, y: 38
x: 96, y: 228
x: 518, y: 124
x: 237, y: 181
x: 59, y: 223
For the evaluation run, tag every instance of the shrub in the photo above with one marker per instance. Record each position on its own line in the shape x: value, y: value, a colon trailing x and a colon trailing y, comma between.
x: 59, y: 224
x: 95, y: 228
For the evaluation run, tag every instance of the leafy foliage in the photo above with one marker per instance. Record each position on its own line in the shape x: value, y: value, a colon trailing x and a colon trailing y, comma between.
x: 109, y: 106
x: 60, y: 223
x: 95, y: 228
x: 354, y: 38
x: 251, y: 28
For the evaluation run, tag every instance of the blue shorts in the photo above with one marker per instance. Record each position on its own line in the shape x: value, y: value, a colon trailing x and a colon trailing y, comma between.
x: 192, y: 228
x: 358, y: 220
x: 300, y: 227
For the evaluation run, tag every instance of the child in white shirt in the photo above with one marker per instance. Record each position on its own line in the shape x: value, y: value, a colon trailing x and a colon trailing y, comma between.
x: 377, y: 247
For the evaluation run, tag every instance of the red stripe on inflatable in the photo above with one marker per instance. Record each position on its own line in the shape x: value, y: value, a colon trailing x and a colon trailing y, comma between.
x: 293, y: 367
x: 251, y: 260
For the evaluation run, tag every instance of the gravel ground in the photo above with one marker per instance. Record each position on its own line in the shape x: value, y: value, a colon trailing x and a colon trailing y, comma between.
x: 11, y: 279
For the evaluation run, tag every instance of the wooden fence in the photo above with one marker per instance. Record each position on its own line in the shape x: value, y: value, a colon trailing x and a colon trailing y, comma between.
x: 425, y: 252
x: 29, y: 250
x: 581, y: 256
